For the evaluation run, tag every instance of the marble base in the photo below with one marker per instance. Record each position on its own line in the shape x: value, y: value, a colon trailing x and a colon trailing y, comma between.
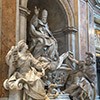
x: 66, y: 97
x: 61, y: 97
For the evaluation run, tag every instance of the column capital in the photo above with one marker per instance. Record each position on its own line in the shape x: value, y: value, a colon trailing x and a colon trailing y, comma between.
x: 24, y: 11
x: 70, y: 29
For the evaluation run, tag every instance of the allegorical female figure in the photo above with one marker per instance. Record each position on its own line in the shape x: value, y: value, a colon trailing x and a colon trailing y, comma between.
x: 21, y: 60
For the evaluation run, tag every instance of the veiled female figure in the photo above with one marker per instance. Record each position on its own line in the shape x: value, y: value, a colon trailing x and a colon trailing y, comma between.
x: 24, y: 72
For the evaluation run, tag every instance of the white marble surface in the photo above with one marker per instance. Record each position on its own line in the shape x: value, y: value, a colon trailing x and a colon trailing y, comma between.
x: 62, y: 97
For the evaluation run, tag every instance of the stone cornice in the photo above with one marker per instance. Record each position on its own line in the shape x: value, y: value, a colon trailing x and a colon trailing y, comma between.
x: 67, y: 29
x: 72, y: 29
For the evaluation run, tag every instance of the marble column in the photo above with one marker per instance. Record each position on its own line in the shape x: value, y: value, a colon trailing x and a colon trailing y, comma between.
x: 91, y: 34
x: 82, y: 27
x: 0, y: 41
x: 71, y: 39
x: 7, y: 38
x: 21, y: 27
x: 23, y: 22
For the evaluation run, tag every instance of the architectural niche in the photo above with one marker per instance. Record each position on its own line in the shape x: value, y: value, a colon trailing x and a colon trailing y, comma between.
x: 65, y: 29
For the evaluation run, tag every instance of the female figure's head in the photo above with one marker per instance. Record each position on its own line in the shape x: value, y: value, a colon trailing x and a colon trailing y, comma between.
x: 22, y: 46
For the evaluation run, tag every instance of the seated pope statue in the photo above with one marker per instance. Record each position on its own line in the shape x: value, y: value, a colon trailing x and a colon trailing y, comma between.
x: 43, y: 42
